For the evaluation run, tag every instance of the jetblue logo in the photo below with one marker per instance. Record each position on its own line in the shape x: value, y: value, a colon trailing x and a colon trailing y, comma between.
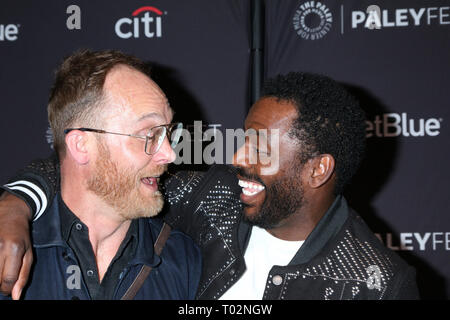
x: 394, y: 125
x: 146, y: 21
x: 9, y: 32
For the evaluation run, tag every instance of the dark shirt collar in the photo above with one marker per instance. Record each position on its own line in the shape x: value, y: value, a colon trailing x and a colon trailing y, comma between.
x: 67, y: 218
x: 47, y: 231
x: 69, y: 221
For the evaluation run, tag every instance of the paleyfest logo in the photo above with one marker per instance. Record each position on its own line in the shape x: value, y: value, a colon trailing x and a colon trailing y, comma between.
x: 417, y: 241
x: 375, y: 18
x: 149, y: 24
x: 312, y: 20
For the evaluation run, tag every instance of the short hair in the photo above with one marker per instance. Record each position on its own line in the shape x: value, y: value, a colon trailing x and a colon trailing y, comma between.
x: 77, y: 93
x: 330, y: 120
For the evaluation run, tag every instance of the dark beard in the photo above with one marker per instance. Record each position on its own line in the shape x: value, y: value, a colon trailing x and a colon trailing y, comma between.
x: 283, y: 198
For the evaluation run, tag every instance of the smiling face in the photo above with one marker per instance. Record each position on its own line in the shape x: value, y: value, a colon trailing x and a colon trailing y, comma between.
x: 270, y: 198
x: 123, y: 175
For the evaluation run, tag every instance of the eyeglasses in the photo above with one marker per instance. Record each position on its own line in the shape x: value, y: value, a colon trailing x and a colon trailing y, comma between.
x: 153, y: 139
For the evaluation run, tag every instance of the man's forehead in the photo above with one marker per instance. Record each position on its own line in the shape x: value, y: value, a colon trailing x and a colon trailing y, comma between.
x: 132, y: 93
x: 157, y: 116
x: 271, y: 113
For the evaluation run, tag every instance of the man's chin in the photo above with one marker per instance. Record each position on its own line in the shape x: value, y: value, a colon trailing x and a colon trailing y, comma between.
x: 144, y: 207
x: 259, y: 217
x: 251, y: 214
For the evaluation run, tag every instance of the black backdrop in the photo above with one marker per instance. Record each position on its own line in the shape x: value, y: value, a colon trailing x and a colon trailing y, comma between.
x: 393, y: 55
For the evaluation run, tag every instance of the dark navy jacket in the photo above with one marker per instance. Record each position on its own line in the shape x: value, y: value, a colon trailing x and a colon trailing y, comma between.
x: 55, y: 273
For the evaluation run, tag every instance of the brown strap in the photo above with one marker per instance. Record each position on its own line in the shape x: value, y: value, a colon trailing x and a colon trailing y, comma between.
x: 145, y: 270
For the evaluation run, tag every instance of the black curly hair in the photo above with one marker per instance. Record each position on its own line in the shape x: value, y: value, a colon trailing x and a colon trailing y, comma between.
x: 330, y: 120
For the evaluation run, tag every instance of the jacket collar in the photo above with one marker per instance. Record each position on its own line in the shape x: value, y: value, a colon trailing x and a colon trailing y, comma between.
x: 46, y: 232
x: 329, y: 225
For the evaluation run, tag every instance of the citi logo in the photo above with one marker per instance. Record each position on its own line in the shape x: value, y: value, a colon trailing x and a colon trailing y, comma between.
x: 394, y: 125
x: 9, y: 32
x: 148, y: 24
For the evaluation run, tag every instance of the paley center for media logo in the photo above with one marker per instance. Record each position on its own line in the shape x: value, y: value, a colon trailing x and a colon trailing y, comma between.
x: 312, y: 20
x: 146, y: 21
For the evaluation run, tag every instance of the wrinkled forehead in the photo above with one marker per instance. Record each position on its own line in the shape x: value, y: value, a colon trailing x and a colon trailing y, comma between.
x: 132, y: 96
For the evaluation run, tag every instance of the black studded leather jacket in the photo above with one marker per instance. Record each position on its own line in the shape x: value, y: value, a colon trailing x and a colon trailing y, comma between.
x: 341, y: 259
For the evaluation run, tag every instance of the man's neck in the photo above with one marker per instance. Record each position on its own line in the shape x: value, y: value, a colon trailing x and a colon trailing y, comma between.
x: 300, y: 224
x: 107, y: 229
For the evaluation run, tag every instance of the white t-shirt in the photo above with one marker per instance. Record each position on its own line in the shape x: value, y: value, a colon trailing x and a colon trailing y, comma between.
x: 263, y: 252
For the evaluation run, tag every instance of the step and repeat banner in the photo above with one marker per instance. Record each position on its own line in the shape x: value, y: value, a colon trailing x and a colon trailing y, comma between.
x: 393, y: 55
x: 198, y: 49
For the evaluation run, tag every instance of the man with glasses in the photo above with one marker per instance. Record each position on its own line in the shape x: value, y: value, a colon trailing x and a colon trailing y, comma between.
x: 114, y: 139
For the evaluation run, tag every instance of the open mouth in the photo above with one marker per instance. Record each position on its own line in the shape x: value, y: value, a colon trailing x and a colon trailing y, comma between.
x: 151, y: 182
x: 250, y: 188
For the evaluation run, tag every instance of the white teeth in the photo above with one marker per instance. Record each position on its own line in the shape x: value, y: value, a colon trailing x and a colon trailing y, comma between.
x: 246, y: 185
x: 149, y: 181
x: 248, y: 193
x: 251, y: 185
x: 243, y: 184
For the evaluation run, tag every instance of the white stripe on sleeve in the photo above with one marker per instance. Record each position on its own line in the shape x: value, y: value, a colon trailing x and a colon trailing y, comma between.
x: 39, y: 209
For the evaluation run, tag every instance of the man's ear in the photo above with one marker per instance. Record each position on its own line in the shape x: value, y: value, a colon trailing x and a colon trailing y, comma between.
x: 322, y: 170
x: 77, y: 146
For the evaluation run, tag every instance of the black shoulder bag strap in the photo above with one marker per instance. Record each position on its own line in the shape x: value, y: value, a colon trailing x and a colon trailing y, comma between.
x: 145, y: 270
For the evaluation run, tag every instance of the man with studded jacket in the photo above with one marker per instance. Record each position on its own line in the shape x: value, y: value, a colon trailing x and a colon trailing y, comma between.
x: 289, y: 234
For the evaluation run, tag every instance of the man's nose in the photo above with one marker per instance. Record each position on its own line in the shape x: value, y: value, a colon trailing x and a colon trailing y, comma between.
x: 241, y: 157
x: 165, y: 153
